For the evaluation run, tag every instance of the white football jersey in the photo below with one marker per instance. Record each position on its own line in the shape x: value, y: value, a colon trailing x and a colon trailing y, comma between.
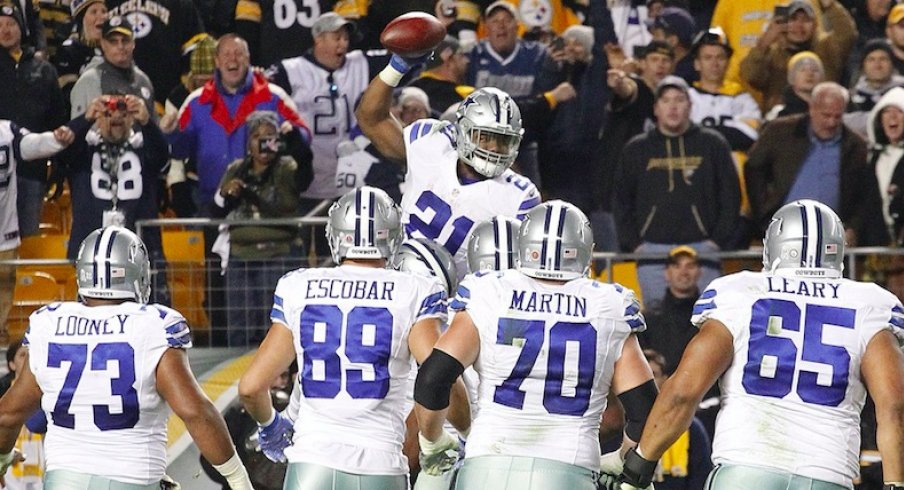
x: 327, y: 103
x: 10, y: 136
x: 350, y: 327
x: 547, y: 357
x: 97, y: 369
x: 793, y: 394
x: 438, y: 207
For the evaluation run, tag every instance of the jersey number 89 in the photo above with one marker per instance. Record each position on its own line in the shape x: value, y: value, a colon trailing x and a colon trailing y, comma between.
x: 368, y: 340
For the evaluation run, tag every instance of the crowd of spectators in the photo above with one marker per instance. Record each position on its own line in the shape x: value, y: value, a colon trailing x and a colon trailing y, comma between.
x: 652, y: 172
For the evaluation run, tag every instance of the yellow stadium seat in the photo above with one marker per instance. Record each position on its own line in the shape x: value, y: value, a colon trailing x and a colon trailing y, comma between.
x: 34, y: 289
x: 184, y: 252
x: 624, y: 273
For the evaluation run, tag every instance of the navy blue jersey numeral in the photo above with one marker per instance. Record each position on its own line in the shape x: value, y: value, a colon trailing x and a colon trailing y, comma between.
x: 779, y: 382
x: 531, y: 335
x: 123, y: 386
x: 368, y: 340
x: 442, y: 213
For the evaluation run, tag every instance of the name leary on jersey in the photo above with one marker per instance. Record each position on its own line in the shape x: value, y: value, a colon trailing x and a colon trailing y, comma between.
x: 149, y: 7
x: 77, y: 325
x: 813, y: 290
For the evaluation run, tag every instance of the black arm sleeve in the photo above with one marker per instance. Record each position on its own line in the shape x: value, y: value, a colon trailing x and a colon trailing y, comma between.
x: 435, y: 378
x: 637, y: 402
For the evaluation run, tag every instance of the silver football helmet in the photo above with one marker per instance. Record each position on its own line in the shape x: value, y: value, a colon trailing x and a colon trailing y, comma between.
x: 556, y: 242
x: 489, y: 131
x: 113, y: 263
x: 493, y: 245
x: 805, y: 234
x: 427, y: 258
x: 364, y: 224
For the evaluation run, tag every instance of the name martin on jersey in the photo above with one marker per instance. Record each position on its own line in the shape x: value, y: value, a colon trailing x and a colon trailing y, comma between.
x: 802, y: 288
x: 558, y: 303
x: 77, y: 325
x: 349, y: 289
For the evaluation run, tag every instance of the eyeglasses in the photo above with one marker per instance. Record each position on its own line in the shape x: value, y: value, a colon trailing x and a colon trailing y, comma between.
x: 334, y: 89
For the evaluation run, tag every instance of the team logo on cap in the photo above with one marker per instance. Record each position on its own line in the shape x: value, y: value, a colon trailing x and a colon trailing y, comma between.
x: 115, y: 21
x: 7, y: 10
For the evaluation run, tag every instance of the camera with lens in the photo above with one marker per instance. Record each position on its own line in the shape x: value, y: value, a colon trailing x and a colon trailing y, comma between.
x: 273, y: 145
x: 116, y: 104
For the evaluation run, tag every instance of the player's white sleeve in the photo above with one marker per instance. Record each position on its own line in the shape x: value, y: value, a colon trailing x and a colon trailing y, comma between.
x: 632, y: 315
x: 178, y: 334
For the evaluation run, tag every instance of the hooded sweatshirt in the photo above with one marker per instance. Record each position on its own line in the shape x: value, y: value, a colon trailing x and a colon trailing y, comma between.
x: 676, y: 189
x: 885, y: 158
x: 863, y: 98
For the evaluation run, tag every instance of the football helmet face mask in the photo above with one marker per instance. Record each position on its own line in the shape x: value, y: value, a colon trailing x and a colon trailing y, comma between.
x: 555, y: 242
x: 805, y: 235
x: 489, y: 131
x: 113, y: 263
x: 427, y: 258
x: 493, y: 245
x: 364, y: 224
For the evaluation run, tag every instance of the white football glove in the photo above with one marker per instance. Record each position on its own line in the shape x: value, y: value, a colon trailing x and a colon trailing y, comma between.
x: 9, y: 459
x: 438, y: 457
x: 612, y: 463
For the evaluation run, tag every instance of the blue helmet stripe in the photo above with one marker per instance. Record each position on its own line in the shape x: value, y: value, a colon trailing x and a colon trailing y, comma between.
x: 545, y: 241
x: 94, y: 262
x: 805, y: 238
x: 497, y: 238
x: 371, y: 218
x: 108, y: 256
x: 509, y: 246
x: 818, y: 254
x: 358, y: 217
x: 559, y: 232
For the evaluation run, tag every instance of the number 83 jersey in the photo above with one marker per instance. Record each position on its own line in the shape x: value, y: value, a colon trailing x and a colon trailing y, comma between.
x: 547, y: 356
x: 793, y: 394
x: 97, y: 369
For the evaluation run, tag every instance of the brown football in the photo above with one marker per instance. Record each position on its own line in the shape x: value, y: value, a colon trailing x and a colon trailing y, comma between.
x: 413, y: 34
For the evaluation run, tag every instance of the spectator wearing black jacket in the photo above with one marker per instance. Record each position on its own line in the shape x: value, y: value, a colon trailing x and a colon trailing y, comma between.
x: 677, y: 185
x: 32, y: 99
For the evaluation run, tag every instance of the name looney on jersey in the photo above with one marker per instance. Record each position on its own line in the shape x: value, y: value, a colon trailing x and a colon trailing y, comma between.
x: 76, y: 325
x: 803, y: 288
x: 350, y: 289
x: 149, y: 7
x: 558, y: 303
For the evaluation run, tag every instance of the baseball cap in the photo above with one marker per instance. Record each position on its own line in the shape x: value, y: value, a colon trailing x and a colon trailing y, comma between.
x: 118, y: 24
x: 677, y: 21
x: 202, y: 59
x: 671, y: 81
x: 330, y: 22
x: 896, y: 14
x: 448, y: 42
x: 504, y: 5
x: 801, y: 5
x: 714, y: 36
x: 11, y: 10
x: 681, y: 251
x: 660, y: 47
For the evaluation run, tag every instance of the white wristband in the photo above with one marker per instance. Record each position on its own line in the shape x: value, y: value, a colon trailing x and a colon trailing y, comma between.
x: 235, y: 473
x: 429, y: 447
x: 391, y: 76
x: 269, y: 420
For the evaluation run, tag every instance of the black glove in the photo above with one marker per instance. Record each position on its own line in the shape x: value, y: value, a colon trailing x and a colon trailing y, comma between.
x: 638, y: 471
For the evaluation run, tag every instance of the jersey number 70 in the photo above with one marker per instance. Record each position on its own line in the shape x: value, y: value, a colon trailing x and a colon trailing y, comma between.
x: 532, y: 334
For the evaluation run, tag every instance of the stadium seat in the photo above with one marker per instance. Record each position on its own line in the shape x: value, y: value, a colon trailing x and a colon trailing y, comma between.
x: 624, y: 273
x: 184, y: 252
x: 34, y: 289
x: 51, y: 246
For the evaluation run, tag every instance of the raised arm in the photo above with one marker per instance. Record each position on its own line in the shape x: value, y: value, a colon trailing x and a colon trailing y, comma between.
x: 373, y: 114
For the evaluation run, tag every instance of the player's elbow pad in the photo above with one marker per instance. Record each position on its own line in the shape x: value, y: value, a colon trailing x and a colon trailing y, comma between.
x: 637, y: 402
x: 435, y: 378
